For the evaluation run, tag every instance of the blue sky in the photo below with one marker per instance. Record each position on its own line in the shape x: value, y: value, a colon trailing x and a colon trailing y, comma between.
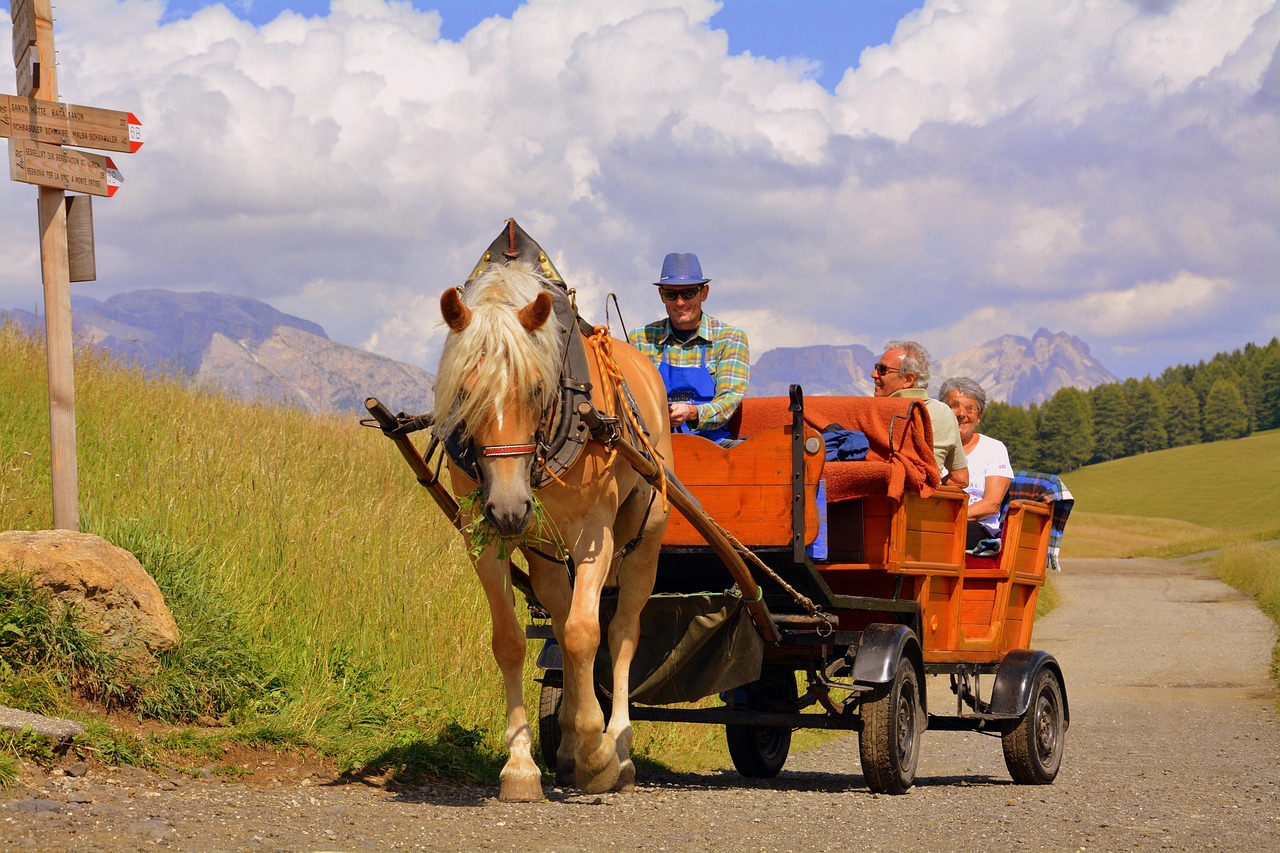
x: 831, y: 32
x: 848, y: 173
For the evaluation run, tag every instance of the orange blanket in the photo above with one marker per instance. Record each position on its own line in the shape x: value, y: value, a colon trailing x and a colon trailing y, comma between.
x: 898, y: 430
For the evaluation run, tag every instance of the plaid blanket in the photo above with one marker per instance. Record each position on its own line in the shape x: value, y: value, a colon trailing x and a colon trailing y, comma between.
x: 1035, y: 486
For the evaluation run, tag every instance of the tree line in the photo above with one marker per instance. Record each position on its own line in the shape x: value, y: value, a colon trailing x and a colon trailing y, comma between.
x: 1232, y: 395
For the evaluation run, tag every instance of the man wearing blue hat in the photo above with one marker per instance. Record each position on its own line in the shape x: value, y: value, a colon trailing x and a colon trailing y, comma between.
x: 705, y: 363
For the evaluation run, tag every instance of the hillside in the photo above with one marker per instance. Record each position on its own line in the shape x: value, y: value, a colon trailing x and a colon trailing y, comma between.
x: 1202, y: 496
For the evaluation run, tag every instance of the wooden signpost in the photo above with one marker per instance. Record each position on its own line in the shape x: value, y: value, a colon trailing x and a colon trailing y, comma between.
x: 38, y: 125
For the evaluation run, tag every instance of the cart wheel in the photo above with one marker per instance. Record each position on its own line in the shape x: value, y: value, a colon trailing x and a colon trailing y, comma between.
x: 889, y: 743
x: 549, y: 700
x: 1033, y: 749
x: 758, y: 752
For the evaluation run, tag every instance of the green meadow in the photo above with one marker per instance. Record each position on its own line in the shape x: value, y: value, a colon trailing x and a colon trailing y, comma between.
x: 326, y: 603
x: 1202, y: 497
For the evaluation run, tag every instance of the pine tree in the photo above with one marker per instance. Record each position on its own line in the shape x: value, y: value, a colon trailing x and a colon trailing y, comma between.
x: 1148, y: 418
x: 1225, y: 414
x: 1269, y: 389
x: 1066, y: 431
x: 1183, y: 415
x: 1015, y: 427
x: 1112, y: 413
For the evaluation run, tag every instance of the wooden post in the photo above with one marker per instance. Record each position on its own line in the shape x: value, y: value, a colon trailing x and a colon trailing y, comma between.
x: 38, y: 126
x: 54, y: 269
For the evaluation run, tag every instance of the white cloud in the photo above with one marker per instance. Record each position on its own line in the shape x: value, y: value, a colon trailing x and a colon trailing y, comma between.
x: 1000, y: 166
x: 1175, y: 305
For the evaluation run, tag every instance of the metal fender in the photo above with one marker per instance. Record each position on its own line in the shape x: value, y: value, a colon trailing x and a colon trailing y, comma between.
x: 880, y: 648
x: 551, y: 656
x: 1011, y: 694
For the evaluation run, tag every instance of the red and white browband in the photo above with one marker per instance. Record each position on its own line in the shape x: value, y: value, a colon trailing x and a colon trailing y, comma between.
x: 508, y: 449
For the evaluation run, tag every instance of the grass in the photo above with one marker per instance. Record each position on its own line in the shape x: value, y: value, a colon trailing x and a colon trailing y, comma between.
x: 1178, y: 501
x: 323, y: 598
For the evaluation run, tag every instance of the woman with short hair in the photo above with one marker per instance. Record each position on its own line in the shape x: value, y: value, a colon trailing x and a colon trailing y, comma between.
x: 989, y: 470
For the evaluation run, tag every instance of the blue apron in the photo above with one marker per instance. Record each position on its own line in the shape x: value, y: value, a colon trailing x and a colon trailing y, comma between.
x: 693, y: 385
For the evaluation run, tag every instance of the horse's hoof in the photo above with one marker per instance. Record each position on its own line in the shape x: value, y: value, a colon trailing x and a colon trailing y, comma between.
x: 626, y: 778
x: 600, y: 773
x: 520, y: 787
x: 600, y: 782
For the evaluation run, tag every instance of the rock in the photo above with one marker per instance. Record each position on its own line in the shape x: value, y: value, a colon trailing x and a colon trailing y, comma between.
x: 108, y: 585
x: 56, y: 728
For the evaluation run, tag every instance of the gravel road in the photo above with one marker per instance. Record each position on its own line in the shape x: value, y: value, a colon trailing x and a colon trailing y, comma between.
x: 1174, y: 744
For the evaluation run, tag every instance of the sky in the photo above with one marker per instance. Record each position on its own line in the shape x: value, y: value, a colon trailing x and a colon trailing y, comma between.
x: 847, y: 172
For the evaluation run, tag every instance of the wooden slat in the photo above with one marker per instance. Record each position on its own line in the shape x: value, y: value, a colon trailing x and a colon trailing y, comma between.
x: 746, y: 488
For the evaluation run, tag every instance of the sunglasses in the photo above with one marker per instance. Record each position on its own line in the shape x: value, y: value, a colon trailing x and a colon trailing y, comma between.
x: 685, y: 293
x: 881, y: 369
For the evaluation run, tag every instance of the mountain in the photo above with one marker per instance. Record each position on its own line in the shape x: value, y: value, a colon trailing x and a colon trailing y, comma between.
x: 1016, y: 370
x: 1011, y: 369
x: 245, y: 347
x: 820, y: 370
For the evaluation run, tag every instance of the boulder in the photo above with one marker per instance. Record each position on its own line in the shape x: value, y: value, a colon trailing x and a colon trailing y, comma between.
x: 108, y: 585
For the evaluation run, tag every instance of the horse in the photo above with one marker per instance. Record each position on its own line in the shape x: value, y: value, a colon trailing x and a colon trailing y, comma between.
x: 496, y: 393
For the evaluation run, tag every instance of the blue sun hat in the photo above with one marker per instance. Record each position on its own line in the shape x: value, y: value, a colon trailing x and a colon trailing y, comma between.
x: 680, y: 269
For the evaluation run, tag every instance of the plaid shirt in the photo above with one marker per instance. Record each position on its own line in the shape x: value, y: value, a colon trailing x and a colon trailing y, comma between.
x: 728, y: 360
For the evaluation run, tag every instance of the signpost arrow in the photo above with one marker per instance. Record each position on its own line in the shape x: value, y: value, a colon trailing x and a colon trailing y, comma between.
x: 63, y: 168
x: 68, y: 124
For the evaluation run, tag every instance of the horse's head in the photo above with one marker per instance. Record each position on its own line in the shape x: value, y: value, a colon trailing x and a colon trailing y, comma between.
x: 498, y: 374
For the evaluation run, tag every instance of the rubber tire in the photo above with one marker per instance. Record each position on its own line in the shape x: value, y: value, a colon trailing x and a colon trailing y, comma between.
x: 889, y: 743
x: 549, y: 699
x: 759, y: 752
x: 1033, y: 748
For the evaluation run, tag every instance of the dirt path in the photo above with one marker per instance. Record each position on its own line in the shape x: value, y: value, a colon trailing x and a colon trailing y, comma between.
x: 1174, y: 744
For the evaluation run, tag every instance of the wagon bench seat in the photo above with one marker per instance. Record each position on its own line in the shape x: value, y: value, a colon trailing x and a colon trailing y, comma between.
x: 747, y: 488
x: 898, y: 431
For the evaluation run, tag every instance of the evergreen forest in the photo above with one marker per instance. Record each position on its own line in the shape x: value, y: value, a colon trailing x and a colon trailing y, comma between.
x: 1232, y: 395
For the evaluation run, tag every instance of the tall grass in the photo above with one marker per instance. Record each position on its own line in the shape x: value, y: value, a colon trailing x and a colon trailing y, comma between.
x: 369, y: 634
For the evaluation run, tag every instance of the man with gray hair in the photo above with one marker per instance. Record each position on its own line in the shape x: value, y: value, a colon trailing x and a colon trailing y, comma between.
x: 903, y: 371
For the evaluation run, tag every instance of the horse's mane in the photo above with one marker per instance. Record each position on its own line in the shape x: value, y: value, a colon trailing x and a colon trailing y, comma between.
x: 494, y: 355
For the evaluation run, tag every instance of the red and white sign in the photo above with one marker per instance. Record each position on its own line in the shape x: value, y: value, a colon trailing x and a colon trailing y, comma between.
x: 63, y: 168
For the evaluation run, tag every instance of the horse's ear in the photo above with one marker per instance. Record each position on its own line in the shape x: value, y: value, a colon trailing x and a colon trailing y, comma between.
x: 533, y: 315
x: 456, y: 315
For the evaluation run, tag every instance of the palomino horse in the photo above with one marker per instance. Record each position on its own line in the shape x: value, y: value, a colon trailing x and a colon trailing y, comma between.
x: 496, y: 392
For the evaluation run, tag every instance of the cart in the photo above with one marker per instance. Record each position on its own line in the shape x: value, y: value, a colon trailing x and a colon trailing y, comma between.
x: 813, y: 594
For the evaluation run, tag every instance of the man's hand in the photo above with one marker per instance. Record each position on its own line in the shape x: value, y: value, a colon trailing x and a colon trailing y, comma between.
x: 683, y: 413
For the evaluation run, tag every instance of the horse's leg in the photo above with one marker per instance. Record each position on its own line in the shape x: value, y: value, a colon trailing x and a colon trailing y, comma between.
x: 551, y: 586
x: 595, y: 756
x: 635, y: 585
x: 520, y: 779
